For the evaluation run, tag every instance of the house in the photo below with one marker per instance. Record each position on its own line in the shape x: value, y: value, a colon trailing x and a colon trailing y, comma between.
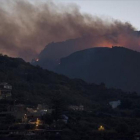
x: 65, y: 119
x: 39, y: 111
x: 77, y: 108
x: 5, y: 90
x: 115, y: 104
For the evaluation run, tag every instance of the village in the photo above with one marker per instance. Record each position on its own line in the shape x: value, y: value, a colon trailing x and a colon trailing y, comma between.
x: 18, y: 120
x: 41, y: 121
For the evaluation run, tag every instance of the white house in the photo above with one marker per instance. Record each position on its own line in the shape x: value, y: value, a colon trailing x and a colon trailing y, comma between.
x: 115, y: 104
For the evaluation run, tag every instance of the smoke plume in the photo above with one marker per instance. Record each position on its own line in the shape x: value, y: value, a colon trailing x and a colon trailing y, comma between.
x: 26, y: 28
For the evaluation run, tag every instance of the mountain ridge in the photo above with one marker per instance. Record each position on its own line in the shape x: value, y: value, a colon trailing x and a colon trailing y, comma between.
x: 114, y: 66
x: 50, y: 56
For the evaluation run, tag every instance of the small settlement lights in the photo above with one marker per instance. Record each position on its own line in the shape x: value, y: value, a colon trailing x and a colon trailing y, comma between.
x: 37, y: 122
x: 101, y: 128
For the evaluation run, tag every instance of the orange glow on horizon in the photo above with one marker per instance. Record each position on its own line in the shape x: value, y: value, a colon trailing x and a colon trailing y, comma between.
x: 107, y: 44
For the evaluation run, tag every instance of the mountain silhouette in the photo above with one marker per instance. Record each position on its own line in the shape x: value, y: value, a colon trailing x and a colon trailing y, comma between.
x: 117, y: 67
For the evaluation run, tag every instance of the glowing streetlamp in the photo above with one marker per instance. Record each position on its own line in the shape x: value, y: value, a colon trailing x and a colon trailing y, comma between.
x: 37, y: 122
x: 101, y: 128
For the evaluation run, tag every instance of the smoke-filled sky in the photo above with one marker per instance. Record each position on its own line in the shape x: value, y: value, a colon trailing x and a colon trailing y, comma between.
x: 26, y: 27
x: 124, y: 10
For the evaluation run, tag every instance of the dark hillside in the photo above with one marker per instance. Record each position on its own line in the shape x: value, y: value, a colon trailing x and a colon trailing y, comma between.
x: 33, y: 84
x: 117, y: 67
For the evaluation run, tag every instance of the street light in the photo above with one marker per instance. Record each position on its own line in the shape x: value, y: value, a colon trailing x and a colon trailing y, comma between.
x: 37, y: 122
x: 101, y: 128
